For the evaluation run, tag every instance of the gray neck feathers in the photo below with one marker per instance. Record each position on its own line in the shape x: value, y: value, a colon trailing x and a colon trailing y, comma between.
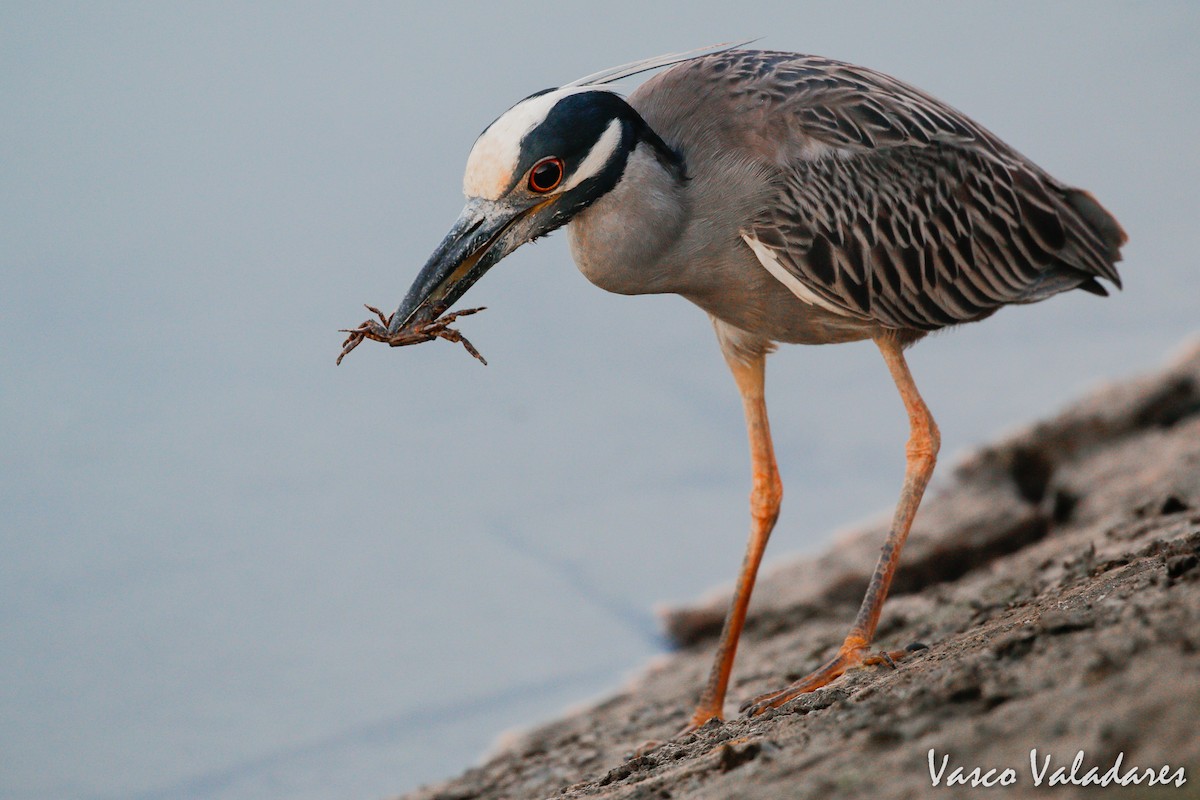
x: 624, y: 242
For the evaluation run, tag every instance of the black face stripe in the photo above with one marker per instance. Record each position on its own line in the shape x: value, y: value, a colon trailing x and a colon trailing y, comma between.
x: 575, y: 125
x: 572, y: 128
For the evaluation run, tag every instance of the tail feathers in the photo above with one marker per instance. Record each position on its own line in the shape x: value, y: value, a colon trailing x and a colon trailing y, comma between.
x: 1093, y: 286
x: 1062, y: 278
x: 1102, y: 222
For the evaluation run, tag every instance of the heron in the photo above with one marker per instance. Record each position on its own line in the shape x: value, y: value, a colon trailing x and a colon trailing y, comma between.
x: 797, y: 200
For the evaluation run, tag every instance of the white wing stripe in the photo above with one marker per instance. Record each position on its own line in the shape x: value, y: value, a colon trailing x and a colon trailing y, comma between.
x: 768, y: 260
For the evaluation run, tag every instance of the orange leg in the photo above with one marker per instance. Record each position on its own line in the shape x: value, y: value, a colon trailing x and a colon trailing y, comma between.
x: 921, y: 452
x: 765, y: 498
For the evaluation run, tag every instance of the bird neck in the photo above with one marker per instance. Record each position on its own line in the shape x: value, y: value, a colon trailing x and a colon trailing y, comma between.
x: 623, y: 241
x: 670, y: 159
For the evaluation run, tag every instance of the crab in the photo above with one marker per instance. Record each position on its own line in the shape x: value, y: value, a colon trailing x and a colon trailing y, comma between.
x: 421, y: 331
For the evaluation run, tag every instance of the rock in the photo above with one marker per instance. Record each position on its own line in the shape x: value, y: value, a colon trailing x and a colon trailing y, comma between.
x: 1054, y: 582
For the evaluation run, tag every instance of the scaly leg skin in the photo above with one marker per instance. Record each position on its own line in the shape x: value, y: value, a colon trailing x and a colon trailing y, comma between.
x: 921, y: 455
x: 379, y: 331
x: 765, y: 497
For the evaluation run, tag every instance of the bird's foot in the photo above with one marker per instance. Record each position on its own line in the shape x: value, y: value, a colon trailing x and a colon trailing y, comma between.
x: 700, y: 719
x: 850, y: 656
x: 378, y: 330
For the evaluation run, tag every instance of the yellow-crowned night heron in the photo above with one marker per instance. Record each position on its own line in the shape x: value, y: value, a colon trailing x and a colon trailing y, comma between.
x: 795, y: 199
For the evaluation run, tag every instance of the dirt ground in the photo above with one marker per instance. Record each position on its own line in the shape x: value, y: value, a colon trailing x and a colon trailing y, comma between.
x: 1056, y: 582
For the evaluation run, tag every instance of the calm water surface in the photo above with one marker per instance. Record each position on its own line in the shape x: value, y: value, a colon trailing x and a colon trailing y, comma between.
x: 230, y: 570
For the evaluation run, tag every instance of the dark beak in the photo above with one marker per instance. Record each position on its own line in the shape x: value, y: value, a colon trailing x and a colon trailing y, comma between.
x: 482, y: 235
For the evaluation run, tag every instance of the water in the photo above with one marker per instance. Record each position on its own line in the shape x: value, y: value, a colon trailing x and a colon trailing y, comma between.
x: 230, y: 570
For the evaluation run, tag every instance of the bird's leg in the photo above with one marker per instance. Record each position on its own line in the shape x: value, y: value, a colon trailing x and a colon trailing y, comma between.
x: 765, y: 497
x: 921, y: 453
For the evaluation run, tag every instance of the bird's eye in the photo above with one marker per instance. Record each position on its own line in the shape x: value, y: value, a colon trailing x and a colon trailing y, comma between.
x: 545, y: 175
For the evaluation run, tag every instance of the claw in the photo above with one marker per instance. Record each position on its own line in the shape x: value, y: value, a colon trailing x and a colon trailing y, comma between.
x: 882, y: 657
x: 385, y: 320
x: 471, y: 349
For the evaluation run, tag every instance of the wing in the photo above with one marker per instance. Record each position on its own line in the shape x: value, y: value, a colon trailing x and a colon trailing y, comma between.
x: 891, y: 206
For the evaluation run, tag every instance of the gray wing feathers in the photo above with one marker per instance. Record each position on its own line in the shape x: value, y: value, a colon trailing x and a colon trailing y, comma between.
x: 896, y: 208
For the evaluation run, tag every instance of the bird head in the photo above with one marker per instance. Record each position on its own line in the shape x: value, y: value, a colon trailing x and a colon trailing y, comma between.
x: 538, y: 165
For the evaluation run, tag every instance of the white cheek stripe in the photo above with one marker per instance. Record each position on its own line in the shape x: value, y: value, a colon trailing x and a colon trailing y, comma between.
x: 600, y: 154
x: 767, y: 258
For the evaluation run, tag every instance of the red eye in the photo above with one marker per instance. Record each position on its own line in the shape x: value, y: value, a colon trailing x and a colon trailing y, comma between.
x: 545, y: 175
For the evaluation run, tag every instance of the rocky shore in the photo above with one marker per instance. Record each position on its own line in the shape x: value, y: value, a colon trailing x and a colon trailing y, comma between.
x: 1056, y: 581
